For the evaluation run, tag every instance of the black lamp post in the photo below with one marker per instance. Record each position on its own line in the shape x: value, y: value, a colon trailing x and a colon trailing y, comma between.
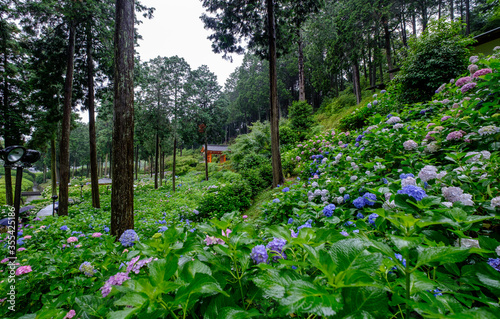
x: 81, y: 190
x: 54, y: 198
x: 18, y: 157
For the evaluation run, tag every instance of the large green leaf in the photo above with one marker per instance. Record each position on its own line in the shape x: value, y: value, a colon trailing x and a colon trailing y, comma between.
x: 238, y: 313
x: 305, y: 297
x: 364, y: 302
x: 441, y: 255
x: 89, y: 304
x: 202, y: 284
x: 162, y: 269
x: 275, y: 282
x: 131, y: 299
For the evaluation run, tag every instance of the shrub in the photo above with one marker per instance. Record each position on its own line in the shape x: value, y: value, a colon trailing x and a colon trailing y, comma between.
x: 225, y: 198
x: 300, y: 114
x: 438, y: 55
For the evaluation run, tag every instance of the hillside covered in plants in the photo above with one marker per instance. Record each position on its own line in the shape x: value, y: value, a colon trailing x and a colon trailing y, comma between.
x: 395, y: 217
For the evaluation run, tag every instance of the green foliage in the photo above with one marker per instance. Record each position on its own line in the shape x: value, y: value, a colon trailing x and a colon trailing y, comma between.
x: 434, y: 58
x: 300, y: 114
x: 225, y: 198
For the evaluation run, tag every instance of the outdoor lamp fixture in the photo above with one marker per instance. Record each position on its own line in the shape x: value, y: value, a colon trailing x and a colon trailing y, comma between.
x: 18, y: 157
x: 54, y: 198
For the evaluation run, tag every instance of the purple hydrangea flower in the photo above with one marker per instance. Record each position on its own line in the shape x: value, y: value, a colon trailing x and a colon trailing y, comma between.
x: 116, y: 280
x: 290, y: 220
x: 414, y: 191
x: 468, y: 87
x: 129, y: 237
x: 64, y: 227
x: 286, y: 189
x: 276, y: 248
x: 276, y: 200
x: 359, y: 202
x: 344, y: 233
x: 370, y: 199
x: 259, y: 254
x: 401, y: 259
x: 481, y: 72
x: 346, y: 197
x: 460, y: 82
x: 360, y: 216
x: 405, y: 176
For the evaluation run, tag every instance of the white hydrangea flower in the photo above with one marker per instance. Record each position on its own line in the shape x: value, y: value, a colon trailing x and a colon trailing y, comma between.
x: 317, y: 193
x: 388, y: 205
x: 441, y: 174
x: 447, y: 204
x: 387, y: 196
x: 427, y: 173
x: 341, y: 190
x: 324, y: 160
x: 409, y: 181
x: 410, y: 145
x: 432, y: 147
x: 398, y: 126
x: 477, y: 156
x: 379, y: 166
x: 393, y: 120
x: 456, y: 194
x: 354, y: 178
x: 314, y: 184
x: 348, y: 158
x: 354, y: 166
x: 495, y: 202
x: 466, y: 199
x: 488, y: 130
x: 324, y: 192
x: 340, y: 200
x: 368, y: 173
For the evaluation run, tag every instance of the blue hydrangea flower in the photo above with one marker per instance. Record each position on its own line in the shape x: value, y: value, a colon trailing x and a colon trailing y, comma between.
x: 346, y: 197
x: 356, y: 144
x: 349, y: 223
x: 370, y: 199
x: 495, y: 263
x: 437, y: 292
x: 162, y: 229
x: 195, y: 212
x: 356, y: 231
x: 259, y: 254
x: 276, y: 200
x: 294, y: 267
x: 371, y: 218
x: 359, y: 202
x: 344, y: 233
x: 401, y: 259
x: 106, y: 229
x: 20, y: 241
x: 64, y: 227
x: 414, y: 191
x: 328, y: 210
x: 359, y: 138
x: 298, y: 178
x: 404, y: 176
x: 384, y: 180
x: 276, y: 247
x: 87, y: 268
x: 360, y: 216
x: 286, y: 189
x: 129, y: 237
x: 290, y: 220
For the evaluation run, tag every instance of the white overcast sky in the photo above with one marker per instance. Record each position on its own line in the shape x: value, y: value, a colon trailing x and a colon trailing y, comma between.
x: 176, y: 29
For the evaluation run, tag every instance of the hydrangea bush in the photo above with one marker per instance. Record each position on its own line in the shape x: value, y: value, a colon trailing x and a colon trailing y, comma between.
x: 374, y: 226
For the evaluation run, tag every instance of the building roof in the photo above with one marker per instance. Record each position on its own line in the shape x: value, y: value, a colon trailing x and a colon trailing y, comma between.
x: 487, y: 36
x: 215, y: 148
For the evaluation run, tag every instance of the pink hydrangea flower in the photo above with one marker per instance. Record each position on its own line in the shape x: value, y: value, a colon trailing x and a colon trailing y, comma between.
x: 226, y: 234
x: 244, y: 216
x: 27, y: 237
x: 70, y: 314
x: 462, y: 81
x: 468, y: 87
x: 21, y: 249
x: 72, y: 240
x: 444, y: 118
x: 96, y: 235
x: 429, y: 125
x: 481, y: 72
x: 78, y: 246
x: 456, y: 135
x: 3, y: 261
x: 472, y: 68
x: 125, y: 251
x: 23, y: 270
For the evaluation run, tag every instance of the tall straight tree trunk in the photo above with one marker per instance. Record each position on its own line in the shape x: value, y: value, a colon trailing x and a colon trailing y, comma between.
x: 66, y: 123
x: 452, y: 13
x: 403, y: 31
x: 122, y: 195
x: 302, y: 85
x: 467, y: 17
x: 150, y: 167
x: 356, y: 82
x: 414, y: 23
x: 275, y: 134
x: 439, y: 9
x: 388, y: 53
x: 157, y: 156
x: 173, y: 164
x: 106, y: 172
x: 53, y: 165
x: 8, y: 173
x: 94, y: 178
x: 161, y: 167
x: 136, y: 162
x: 206, y: 156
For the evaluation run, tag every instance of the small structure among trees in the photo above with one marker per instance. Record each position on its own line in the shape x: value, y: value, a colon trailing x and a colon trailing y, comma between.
x: 215, y: 150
